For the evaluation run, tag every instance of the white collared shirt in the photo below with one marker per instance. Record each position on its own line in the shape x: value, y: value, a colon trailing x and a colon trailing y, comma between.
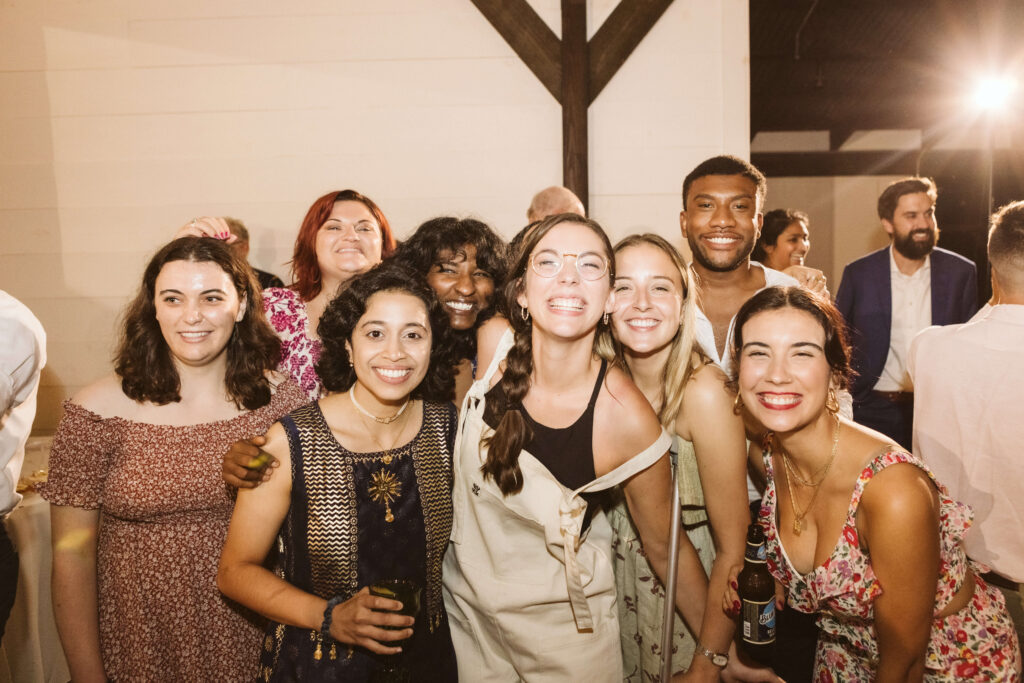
x: 706, y: 338
x: 911, y: 313
x: 22, y: 356
x: 706, y: 333
x: 969, y: 426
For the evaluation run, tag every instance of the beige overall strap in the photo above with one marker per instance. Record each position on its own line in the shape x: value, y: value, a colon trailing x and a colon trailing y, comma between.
x: 571, y: 512
x: 505, y: 344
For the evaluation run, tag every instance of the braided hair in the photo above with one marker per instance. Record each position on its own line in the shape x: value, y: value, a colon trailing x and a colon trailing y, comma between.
x: 513, y: 432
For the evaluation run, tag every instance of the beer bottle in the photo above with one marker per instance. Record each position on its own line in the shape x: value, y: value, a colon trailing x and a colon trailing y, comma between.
x: 757, y: 599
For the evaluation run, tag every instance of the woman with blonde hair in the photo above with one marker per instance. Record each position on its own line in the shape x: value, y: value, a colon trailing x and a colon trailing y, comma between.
x: 653, y: 323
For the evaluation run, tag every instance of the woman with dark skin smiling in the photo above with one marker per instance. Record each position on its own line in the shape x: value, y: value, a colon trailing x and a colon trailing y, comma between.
x: 462, y: 260
x: 897, y: 598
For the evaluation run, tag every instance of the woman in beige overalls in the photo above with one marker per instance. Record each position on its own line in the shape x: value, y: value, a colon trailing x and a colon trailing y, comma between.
x: 547, y: 427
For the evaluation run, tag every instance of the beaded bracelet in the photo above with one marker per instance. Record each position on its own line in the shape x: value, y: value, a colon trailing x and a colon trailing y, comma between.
x: 325, y: 628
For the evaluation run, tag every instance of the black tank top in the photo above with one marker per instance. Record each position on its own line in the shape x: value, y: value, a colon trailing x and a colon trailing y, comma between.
x: 568, y: 452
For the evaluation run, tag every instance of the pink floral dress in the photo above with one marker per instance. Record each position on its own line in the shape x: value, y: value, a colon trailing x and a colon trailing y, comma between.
x: 978, y: 643
x: 299, y: 353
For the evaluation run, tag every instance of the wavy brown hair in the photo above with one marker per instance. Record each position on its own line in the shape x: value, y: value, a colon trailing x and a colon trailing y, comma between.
x: 306, y: 277
x: 513, y: 432
x: 143, y: 359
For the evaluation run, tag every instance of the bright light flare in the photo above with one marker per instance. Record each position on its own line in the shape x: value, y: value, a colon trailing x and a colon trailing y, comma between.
x: 993, y: 92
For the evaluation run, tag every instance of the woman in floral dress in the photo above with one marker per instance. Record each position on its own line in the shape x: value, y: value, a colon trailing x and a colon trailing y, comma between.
x: 139, y: 512
x: 896, y: 596
x: 654, y: 326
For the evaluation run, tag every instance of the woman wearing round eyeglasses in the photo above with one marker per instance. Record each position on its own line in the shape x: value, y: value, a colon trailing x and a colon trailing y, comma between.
x: 545, y: 430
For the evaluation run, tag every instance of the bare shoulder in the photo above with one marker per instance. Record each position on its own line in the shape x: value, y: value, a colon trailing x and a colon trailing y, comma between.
x: 707, y: 384
x: 624, y: 422
x: 105, y: 398
x: 900, y: 490
x: 708, y: 405
x: 487, y: 338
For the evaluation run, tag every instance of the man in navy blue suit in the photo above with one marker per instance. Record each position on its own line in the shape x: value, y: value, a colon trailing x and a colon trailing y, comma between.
x: 890, y: 295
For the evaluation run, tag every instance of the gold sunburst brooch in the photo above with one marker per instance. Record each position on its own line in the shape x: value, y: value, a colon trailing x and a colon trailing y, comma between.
x: 385, y: 488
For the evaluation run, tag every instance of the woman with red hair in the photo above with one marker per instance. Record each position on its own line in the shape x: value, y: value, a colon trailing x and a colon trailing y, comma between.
x: 343, y: 234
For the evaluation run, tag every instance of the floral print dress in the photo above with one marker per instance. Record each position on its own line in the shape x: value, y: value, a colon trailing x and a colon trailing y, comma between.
x: 977, y: 643
x: 299, y: 352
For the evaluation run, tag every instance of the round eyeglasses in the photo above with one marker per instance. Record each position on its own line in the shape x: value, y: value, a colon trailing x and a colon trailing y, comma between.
x: 589, y: 264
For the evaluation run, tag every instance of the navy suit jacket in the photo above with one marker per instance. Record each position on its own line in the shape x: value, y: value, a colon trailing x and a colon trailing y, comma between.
x: 865, y: 300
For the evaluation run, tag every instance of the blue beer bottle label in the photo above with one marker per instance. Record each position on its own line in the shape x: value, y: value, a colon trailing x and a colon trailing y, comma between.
x: 758, y: 619
x: 756, y: 553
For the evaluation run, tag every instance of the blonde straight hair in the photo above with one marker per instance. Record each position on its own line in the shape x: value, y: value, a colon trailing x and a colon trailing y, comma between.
x: 681, y: 360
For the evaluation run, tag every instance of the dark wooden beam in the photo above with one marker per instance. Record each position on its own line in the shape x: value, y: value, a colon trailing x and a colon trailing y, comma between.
x: 530, y: 38
x: 574, y: 98
x: 818, y: 164
x: 896, y: 162
x: 618, y: 36
x: 838, y: 136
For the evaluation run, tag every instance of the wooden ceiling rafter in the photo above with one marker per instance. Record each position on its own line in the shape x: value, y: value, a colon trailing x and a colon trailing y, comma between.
x: 573, y: 69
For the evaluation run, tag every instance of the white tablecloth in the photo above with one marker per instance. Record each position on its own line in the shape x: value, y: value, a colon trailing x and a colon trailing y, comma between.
x: 31, y: 651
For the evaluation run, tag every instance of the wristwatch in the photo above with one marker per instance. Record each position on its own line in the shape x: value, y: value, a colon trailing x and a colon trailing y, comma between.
x: 717, y: 658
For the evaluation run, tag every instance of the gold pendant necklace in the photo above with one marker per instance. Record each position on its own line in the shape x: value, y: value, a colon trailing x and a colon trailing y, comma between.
x: 798, y: 515
x: 384, y: 486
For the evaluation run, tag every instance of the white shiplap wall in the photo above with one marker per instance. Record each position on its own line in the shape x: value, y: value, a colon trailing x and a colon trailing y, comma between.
x: 122, y: 119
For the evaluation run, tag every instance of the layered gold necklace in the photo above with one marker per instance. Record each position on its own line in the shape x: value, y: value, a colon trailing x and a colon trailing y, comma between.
x: 791, y: 474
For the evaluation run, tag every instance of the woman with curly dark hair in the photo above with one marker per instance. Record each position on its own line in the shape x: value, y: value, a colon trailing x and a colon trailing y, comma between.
x: 139, y: 512
x: 462, y: 260
x: 365, y: 498
x: 343, y: 234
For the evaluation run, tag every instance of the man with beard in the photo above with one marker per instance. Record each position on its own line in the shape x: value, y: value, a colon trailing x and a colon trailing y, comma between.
x: 723, y: 198
x: 888, y: 296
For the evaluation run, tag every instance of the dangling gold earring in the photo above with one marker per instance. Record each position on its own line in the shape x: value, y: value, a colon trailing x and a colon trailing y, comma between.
x: 832, y: 401
x: 737, y: 405
x: 524, y: 313
x: 606, y: 319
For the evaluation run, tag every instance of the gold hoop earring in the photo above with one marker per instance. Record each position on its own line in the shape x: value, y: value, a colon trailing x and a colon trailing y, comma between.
x: 524, y: 313
x: 832, y: 401
x: 737, y: 405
